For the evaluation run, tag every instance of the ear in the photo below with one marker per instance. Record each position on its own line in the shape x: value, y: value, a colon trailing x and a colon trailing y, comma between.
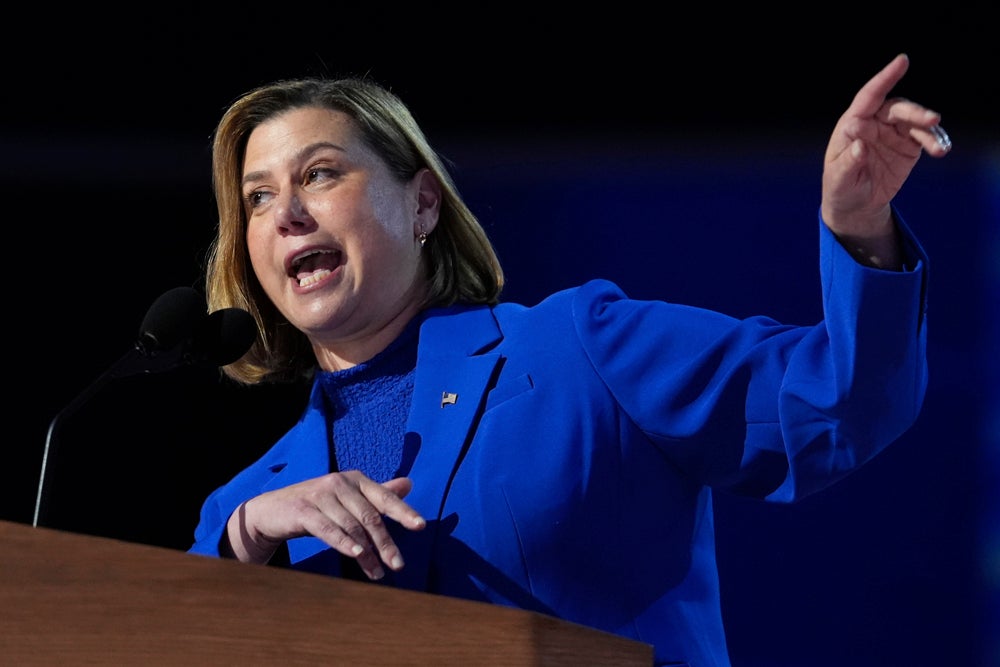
x: 428, y: 191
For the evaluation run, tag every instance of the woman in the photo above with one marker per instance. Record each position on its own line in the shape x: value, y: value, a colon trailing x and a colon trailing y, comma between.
x: 558, y: 458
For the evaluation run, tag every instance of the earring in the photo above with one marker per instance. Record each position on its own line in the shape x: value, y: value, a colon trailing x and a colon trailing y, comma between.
x: 422, y: 238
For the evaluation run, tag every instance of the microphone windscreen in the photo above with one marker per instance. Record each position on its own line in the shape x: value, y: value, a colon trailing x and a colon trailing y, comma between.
x: 171, y: 319
x: 224, y: 336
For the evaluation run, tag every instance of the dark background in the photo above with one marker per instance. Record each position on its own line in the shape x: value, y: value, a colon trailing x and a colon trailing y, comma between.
x: 679, y: 155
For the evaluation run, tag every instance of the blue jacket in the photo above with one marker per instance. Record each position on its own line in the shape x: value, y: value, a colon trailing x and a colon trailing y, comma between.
x: 564, y: 454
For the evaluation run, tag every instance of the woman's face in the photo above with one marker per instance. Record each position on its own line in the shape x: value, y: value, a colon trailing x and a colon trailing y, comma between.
x: 333, y: 237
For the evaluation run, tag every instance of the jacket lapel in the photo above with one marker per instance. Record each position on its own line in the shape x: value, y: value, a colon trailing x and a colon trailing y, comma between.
x: 453, y: 374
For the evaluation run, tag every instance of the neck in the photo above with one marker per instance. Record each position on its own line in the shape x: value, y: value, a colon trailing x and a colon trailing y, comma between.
x: 347, y: 353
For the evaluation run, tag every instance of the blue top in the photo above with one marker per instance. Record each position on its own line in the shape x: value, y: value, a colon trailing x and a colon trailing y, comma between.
x: 565, y: 454
x: 367, y: 405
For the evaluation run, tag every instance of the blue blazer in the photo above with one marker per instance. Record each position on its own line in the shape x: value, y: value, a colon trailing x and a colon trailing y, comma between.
x: 564, y: 454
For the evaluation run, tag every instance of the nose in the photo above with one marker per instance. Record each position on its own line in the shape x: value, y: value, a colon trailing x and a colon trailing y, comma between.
x: 291, y: 215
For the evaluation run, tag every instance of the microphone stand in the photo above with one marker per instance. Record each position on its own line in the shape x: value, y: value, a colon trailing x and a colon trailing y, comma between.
x: 140, y: 358
x: 170, y: 320
x: 175, y: 332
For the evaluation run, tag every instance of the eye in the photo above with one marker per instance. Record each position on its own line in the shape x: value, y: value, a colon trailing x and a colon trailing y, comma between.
x: 320, y: 175
x: 256, y: 198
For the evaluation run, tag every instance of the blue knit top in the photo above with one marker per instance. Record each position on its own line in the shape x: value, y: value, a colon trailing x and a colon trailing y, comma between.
x: 368, y: 405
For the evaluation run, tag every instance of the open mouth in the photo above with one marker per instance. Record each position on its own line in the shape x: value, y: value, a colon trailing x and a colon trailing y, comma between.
x: 313, y: 265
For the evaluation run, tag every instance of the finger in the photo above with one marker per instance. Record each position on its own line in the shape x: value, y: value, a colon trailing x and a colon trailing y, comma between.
x: 398, y: 510
x: 357, y: 507
x: 386, y: 501
x: 924, y: 125
x: 933, y: 139
x: 335, y: 530
x: 336, y: 511
x: 871, y: 96
x: 335, y: 534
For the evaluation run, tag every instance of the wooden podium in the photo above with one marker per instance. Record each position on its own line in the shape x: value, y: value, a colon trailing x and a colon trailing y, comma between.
x: 68, y: 598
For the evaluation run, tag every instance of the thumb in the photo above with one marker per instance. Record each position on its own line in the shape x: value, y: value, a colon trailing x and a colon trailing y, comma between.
x: 401, y: 486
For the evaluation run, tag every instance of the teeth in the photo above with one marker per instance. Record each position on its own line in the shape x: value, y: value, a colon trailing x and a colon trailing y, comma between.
x: 297, y: 261
x: 315, y: 277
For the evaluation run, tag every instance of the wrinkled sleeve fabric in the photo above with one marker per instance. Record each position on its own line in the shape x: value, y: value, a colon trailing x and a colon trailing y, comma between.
x: 758, y: 407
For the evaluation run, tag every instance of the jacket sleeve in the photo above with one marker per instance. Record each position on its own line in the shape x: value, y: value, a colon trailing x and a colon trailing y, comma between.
x: 211, y: 524
x: 762, y: 408
x: 301, y: 453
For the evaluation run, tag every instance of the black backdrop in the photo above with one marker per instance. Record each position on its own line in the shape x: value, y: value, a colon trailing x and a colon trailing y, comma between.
x: 679, y: 156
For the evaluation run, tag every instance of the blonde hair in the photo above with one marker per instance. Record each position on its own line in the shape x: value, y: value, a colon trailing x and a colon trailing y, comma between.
x: 462, y: 266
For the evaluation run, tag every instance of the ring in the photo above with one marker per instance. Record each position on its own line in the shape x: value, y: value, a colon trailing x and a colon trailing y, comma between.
x: 942, y: 138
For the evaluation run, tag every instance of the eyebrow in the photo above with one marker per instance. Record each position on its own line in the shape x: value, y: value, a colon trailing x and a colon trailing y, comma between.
x: 300, y: 155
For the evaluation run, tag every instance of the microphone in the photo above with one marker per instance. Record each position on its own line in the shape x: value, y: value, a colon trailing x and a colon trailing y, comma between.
x: 171, y: 318
x: 176, y: 331
x: 222, y: 337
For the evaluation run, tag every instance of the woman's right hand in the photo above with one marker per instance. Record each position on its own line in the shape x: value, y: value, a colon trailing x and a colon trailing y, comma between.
x: 344, y: 509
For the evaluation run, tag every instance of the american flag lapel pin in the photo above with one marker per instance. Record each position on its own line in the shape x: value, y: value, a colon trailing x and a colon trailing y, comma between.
x: 448, y: 398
